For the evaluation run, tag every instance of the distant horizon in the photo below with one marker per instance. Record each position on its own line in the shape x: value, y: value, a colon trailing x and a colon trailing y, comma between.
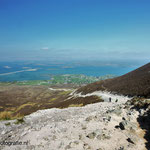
x: 113, y: 63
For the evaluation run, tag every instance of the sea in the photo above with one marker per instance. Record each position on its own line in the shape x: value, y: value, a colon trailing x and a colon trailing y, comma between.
x: 23, y: 71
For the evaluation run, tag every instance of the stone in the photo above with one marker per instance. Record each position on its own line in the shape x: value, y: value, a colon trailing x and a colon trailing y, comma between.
x: 130, y: 141
x: 103, y: 136
x: 80, y: 137
x: 86, y: 146
x: 89, y: 118
x: 99, y: 137
x: 98, y: 131
x: 3, y: 132
x: 91, y: 135
x: 60, y: 145
x: 84, y: 127
x: 67, y: 147
x: 120, y: 148
x: 123, y: 118
x: 76, y: 142
x: 117, y: 111
x: 107, y: 118
x: 123, y: 125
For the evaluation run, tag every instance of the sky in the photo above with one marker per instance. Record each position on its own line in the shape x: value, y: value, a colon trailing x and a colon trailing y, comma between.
x: 75, y: 30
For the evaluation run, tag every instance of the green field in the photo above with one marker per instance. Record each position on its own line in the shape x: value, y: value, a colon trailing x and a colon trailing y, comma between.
x: 61, y: 79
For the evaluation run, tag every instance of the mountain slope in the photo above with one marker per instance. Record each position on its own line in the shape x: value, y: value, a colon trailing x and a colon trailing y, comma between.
x: 91, y: 127
x: 134, y: 83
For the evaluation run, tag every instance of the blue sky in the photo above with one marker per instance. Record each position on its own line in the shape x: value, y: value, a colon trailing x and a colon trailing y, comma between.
x: 106, y: 30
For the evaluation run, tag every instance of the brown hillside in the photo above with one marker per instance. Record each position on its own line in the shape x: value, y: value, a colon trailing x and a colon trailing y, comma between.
x: 17, y: 101
x: 134, y: 83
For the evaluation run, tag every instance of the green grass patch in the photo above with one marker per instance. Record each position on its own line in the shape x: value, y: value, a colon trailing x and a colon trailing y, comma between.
x: 7, y: 124
x: 76, y: 105
x: 65, y: 92
x: 52, y: 99
x: 5, y: 115
x: 20, y: 120
x: 24, y: 105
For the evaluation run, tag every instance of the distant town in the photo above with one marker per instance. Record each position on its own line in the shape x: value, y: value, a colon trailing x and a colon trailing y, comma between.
x: 62, y: 79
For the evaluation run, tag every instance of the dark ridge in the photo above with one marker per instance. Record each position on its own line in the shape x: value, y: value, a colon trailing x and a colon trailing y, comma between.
x: 144, y: 119
x: 134, y: 83
x: 144, y: 122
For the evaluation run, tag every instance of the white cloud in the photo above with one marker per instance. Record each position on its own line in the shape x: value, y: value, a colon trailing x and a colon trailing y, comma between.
x: 7, y: 67
x: 44, y: 48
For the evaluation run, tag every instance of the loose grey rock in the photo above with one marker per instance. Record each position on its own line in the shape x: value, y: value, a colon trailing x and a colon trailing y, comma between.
x: 80, y: 137
x: 123, y: 125
x: 103, y: 136
x: 83, y: 129
x: 117, y: 111
x: 121, y: 148
x: 86, y: 146
x: 67, y: 147
x: 91, y: 135
x: 107, y: 118
x: 89, y: 118
x: 130, y: 141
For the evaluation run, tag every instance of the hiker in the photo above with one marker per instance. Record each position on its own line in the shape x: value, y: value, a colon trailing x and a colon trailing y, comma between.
x: 109, y: 99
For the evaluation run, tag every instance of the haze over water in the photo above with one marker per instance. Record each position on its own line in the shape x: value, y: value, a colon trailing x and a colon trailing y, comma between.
x: 91, y: 37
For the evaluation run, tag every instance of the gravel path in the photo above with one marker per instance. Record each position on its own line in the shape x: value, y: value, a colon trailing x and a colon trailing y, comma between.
x: 106, y: 96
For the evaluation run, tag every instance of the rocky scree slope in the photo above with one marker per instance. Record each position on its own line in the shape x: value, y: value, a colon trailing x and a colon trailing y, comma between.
x: 100, y: 126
